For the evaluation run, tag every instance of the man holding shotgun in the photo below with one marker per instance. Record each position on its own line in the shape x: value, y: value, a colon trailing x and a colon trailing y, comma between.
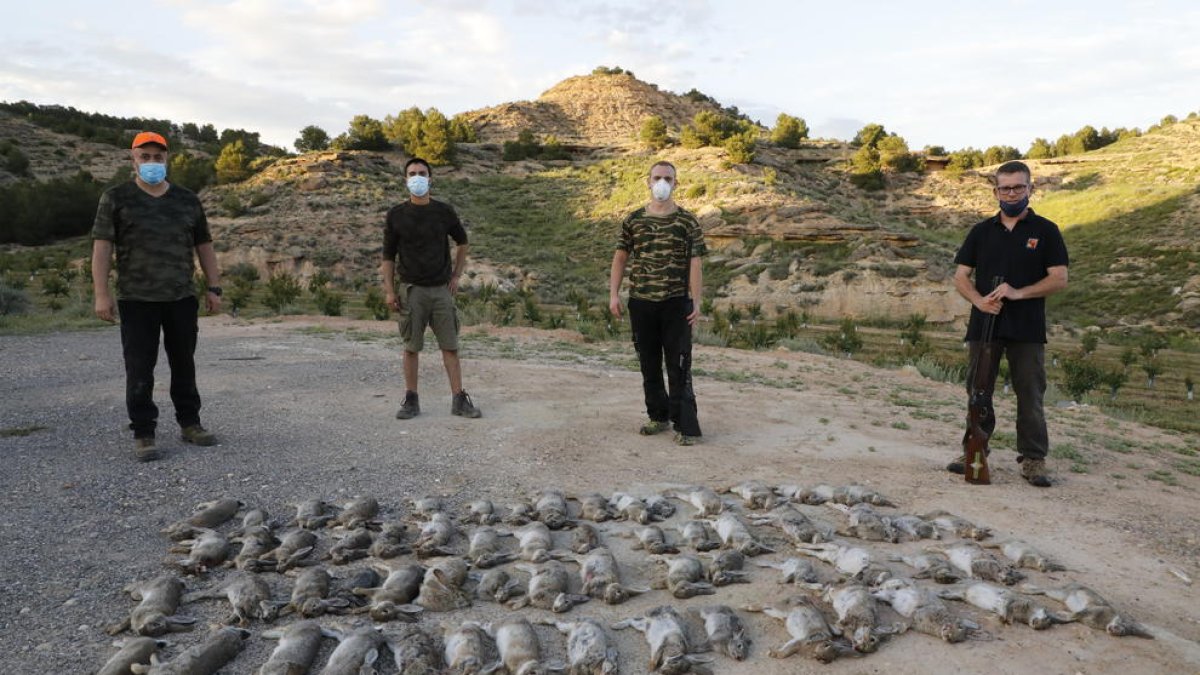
x: 1028, y: 253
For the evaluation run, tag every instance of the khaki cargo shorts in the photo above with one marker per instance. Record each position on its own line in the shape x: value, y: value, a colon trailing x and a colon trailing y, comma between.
x: 432, y: 306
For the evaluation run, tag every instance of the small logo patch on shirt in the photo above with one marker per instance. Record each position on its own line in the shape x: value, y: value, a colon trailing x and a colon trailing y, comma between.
x: 1031, y: 243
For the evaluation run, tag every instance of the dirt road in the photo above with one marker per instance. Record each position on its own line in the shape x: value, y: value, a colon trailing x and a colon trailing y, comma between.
x: 305, y: 412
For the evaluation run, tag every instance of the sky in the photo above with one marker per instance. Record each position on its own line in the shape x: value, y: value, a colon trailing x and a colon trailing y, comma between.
x: 952, y: 73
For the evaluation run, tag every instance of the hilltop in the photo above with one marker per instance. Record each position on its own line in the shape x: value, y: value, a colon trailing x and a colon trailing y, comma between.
x: 788, y: 230
x: 602, y: 109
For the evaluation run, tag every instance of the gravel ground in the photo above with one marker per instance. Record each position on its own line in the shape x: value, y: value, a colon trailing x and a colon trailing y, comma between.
x: 310, y: 414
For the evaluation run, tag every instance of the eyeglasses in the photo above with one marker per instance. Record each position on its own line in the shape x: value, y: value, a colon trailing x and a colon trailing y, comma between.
x: 1012, y: 189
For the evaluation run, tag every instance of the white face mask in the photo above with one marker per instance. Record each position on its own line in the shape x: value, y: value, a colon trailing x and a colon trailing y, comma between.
x: 661, y: 190
x: 418, y: 185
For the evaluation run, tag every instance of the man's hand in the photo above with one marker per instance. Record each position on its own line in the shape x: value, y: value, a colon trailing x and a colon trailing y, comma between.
x: 989, y: 305
x: 694, y: 316
x: 105, y: 309
x: 1004, y: 292
x: 212, y: 302
x: 453, y: 285
x: 614, y: 306
x: 392, y: 302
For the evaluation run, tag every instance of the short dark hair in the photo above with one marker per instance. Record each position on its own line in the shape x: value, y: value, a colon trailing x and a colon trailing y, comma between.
x: 1015, y: 166
x: 663, y: 162
x: 417, y: 160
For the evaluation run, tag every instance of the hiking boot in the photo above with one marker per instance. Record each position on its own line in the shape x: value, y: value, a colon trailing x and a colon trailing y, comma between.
x: 1034, y: 472
x: 144, y: 450
x: 684, y: 439
x: 654, y: 427
x: 197, y: 435
x: 463, y: 407
x: 410, y: 408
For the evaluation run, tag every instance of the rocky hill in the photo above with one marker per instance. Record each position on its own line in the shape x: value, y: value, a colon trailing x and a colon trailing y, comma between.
x: 57, y: 155
x: 590, y: 110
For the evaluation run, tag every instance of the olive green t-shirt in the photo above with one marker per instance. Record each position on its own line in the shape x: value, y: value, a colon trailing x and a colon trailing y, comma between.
x: 155, y: 239
x: 660, y: 251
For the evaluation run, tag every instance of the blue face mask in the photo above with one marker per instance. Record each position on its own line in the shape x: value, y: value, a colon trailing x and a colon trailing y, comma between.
x: 152, y: 172
x: 418, y: 185
x: 1014, y: 209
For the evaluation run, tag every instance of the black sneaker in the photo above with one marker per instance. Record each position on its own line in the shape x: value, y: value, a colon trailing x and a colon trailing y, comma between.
x: 463, y: 407
x: 958, y: 466
x: 411, y: 407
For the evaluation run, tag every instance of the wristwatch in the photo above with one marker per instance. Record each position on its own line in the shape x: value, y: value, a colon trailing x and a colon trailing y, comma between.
x: 215, y: 290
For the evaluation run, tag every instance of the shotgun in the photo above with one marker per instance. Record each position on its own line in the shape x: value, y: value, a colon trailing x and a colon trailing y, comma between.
x: 980, y: 413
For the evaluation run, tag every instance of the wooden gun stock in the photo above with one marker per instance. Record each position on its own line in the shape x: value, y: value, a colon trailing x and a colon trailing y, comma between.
x: 979, y: 409
x: 975, y: 450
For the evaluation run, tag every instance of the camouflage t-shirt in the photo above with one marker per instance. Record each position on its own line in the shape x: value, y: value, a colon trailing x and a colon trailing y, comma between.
x: 660, y: 250
x: 155, y: 239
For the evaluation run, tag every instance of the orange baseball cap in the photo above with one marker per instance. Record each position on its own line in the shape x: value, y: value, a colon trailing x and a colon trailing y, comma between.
x: 148, y: 137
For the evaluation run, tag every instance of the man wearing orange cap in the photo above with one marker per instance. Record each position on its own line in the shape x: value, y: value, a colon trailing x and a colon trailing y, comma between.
x: 154, y: 227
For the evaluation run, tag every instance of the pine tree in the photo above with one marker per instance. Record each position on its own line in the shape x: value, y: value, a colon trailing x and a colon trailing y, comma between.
x: 233, y: 164
x: 653, y: 134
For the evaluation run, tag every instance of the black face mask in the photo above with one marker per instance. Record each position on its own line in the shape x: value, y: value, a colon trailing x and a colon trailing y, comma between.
x: 1013, y: 209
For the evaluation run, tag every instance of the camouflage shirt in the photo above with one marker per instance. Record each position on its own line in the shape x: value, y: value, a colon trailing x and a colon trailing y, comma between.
x: 155, y: 240
x: 660, y: 251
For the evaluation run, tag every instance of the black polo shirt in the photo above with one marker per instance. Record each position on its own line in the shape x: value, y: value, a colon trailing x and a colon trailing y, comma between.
x: 1021, y: 257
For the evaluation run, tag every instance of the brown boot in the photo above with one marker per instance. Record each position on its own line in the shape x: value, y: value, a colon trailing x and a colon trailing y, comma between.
x: 144, y: 450
x: 197, y: 435
x: 1034, y: 471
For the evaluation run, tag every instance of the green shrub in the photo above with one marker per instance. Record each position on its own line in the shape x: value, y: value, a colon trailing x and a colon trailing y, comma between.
x: 846, y: 340
x: 377, y: 305
x: 13, y: 300
x: 757, y: 336
x: 329, y: 302
x: 55, y: 286
x: 524, y: 147
x: 325, y: 257
x: 1080, y: 377
x: 533, y: 313
x: 653, y: 133
x: 282, y: 290
x: 787, y: 325
x: 15, y: 279
x: 552, y: 149
x: 15, y: 161
x: 896, y: 271
x: 312, y: 137
x: 244, y: 271
x: 233, y: 164
x: 318, y: 281
x: 935, y: 368
x: 740, y: 147
x: 868, y: 180
x: 232, y: 205
x: 1114, y: 380
x: 238, y: 295
x: 789, y: 131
